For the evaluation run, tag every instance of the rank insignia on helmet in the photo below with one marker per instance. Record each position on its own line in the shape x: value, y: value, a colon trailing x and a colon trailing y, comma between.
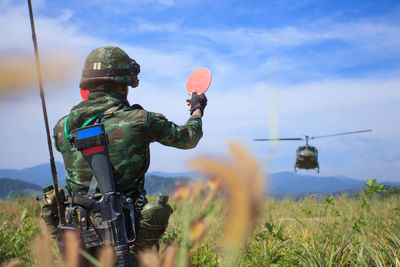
x: 97, y: 66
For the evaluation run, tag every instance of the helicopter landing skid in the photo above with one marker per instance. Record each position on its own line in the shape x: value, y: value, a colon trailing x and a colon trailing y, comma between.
x: 317, y: 169
x: 296, y: 169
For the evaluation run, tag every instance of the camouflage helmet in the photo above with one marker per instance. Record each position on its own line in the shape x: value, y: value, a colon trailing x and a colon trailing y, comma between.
x: 109, y: 64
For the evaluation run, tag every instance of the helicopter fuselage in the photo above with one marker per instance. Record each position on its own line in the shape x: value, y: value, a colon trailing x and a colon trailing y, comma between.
x: 306, y: 158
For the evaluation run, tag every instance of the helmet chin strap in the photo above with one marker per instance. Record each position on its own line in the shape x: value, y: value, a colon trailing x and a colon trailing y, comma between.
x: 125, y: 90
x: 120, y: 88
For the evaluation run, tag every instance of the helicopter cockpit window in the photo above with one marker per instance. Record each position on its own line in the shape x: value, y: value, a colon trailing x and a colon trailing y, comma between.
x: 311, y: 148
x: 301, y: 148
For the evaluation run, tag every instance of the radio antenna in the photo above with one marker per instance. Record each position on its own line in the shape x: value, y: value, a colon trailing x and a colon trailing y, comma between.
x: 46, y: 120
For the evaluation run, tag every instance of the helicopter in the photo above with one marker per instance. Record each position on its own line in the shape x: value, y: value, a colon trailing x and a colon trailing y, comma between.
x: 307, y: 156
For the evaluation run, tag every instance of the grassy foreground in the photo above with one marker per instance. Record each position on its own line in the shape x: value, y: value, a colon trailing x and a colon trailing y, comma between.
x: 337, y: 232
x: 226, y: 222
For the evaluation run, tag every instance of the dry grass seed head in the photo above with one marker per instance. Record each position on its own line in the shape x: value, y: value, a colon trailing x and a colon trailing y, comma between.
x: 239, y: 215
x: 198, y: 190
x: 14, y: 67
x: 107, y: 257
x: 214, y: 187
x: 71, y: 240
x: 42, y: 247
x: 169, y: 256
x: 250, y: 174
x: 13, y: 263
x: 198, y: 229
x: 182, y: 192
x: 243, y: 183
x: 149, y: 258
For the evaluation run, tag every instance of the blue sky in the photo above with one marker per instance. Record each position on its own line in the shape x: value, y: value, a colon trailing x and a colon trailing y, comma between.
x: 280, y: 69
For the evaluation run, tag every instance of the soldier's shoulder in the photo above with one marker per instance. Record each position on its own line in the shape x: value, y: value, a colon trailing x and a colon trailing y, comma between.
x: 60, y: 122
x: 155, y: 115
x: 134, y: 107
x: 135, y: 113
x: 59, y: 132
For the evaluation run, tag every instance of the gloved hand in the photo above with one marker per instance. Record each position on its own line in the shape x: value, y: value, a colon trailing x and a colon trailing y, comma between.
x: 198, y: 102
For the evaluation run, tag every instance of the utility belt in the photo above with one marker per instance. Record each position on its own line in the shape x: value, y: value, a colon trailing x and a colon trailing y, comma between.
x: 151, y: 219
x: 88, y: 221
x: 76, y: 214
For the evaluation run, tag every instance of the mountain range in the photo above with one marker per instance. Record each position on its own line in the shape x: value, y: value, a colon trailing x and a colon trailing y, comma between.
x: 279, y: 184
x: 39, y: 175
x: 9, y: 187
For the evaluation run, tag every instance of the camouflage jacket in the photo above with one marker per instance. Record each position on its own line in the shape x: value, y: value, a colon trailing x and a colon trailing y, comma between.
x: 130, y: 131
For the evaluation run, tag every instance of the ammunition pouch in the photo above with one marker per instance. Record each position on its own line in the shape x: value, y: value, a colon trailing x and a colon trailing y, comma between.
x: 49, y: 211
x: 86, y: 223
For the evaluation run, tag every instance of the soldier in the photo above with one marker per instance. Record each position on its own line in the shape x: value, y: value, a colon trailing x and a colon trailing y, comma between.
x: 107, y: 74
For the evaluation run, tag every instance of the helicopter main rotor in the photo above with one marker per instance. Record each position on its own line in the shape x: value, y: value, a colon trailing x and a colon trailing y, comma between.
x: 329, y: 135
x: 306, y: 137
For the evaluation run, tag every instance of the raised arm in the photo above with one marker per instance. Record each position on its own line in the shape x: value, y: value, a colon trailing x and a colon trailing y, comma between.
x: 170, y: 134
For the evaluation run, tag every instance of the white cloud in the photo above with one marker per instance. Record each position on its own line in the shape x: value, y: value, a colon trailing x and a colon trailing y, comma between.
x: 367, y: 35
x: 160, y: 63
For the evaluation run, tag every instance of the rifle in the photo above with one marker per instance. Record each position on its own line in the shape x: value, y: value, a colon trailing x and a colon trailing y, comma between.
x: 117, y: 210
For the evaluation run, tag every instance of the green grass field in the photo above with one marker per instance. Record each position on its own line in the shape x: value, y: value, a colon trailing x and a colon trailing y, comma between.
x: 225, y: 221
x: 336, y: 232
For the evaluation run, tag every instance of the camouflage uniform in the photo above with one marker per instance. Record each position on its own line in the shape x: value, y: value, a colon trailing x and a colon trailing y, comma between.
x: 130, y: 130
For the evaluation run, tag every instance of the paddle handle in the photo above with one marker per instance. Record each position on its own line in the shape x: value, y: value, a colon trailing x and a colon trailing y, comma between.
x: 189, y: 102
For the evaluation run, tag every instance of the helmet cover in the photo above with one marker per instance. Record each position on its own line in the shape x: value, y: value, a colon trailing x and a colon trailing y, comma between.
x: 109, y: 64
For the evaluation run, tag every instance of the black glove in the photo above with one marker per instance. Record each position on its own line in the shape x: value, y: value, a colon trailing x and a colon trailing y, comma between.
x: 198, y: 102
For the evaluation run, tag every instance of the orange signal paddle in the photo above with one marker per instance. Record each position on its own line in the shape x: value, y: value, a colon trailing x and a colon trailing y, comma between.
x: 198, y: 81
